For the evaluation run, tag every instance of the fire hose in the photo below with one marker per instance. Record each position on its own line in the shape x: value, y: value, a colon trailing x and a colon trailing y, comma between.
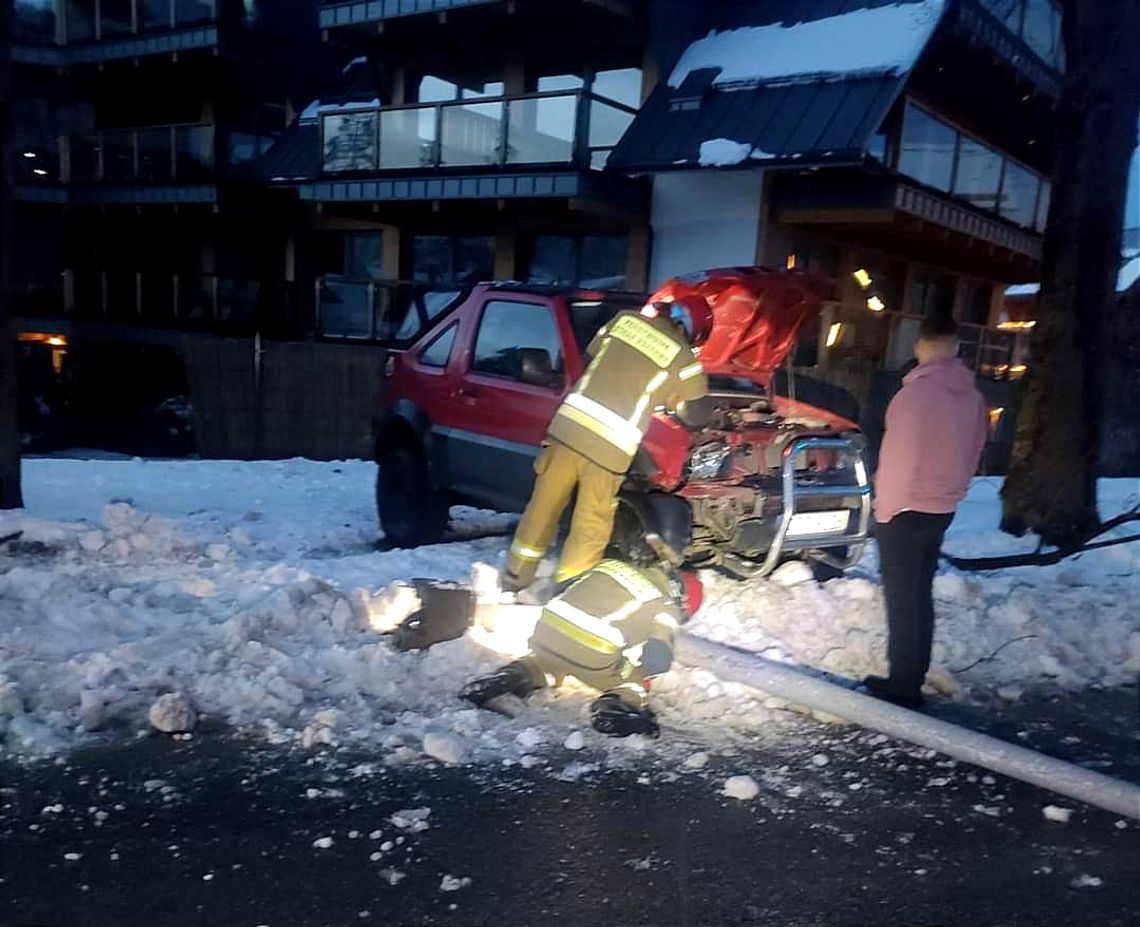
x: 801, y: 688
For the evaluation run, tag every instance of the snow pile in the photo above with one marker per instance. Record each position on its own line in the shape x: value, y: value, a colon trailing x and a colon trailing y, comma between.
x: 865, y: 42
x: 724, y: 152
x: 251, y: 594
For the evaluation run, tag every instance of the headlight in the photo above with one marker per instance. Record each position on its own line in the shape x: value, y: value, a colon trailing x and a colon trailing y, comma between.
x: 710, y: 460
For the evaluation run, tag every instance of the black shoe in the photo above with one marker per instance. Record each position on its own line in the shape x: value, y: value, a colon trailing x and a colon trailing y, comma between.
x: 512, y: 679
x: 888, y: 691
x: 611, y: 716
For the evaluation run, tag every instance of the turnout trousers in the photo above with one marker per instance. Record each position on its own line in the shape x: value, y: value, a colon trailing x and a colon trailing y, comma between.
x: 559, y: 470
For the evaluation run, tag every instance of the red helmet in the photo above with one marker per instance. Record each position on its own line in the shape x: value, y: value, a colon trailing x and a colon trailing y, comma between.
x: 692, y: 313
x: 694, y: 591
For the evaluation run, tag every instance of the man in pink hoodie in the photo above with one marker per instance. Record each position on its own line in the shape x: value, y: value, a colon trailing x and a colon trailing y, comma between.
x: 937, y: 425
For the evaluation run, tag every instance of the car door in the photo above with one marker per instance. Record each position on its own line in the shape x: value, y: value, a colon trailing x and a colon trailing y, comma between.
x: 502, y: 413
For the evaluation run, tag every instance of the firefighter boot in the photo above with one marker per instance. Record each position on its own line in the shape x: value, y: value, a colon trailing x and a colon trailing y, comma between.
x: 513, y: 679
x: 616, y: 718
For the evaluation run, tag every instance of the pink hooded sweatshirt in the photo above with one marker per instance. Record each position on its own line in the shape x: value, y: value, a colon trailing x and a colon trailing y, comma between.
x: 937, y: 425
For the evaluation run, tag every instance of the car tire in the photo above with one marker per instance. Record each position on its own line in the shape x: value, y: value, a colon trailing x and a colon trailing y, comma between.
x: 411, y: 511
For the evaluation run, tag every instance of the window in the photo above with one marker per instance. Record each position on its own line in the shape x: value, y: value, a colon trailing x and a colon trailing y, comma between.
x: 596, y: 262
x: 1041, y: 30
x: 622, y: 85
x: 978, y: 175
x: 115, y: 17
x: 505, y: 330
x: 931, y: 294
x: 350, y: 254
x: 447, y: 259
x: 560, y: 82
x: 588, y: 317
x: 927, y: 151
x: 434, y: 89
x: 79, y: 17
x: 1019, y: 194
x: 154, y: 14
x: 438, y: 352
x: 976, y: 303
x: 1043, y: 205
x: 34, y: 20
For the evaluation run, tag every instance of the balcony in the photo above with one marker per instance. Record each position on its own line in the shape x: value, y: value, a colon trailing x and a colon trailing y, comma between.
x: 73, y: 32
x: 574, y: 129
x: 339, y: 13
x: 1024, y: 33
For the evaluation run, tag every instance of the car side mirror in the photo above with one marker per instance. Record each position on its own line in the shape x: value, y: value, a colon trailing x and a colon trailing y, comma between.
x: 537, y: 369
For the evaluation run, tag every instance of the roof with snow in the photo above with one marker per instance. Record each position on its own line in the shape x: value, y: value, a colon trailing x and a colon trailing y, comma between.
x: 811, y: 85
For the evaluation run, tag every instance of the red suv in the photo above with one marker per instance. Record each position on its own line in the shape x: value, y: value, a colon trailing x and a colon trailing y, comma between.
x: 470, y: 388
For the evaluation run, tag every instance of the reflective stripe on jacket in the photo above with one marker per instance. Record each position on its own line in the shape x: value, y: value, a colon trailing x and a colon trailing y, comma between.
x: 638, y: 365
x: 603, y: 621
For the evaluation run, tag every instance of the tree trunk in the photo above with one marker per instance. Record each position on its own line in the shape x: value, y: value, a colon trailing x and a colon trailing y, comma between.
x: 1051, y: 485
x: 10, y: 493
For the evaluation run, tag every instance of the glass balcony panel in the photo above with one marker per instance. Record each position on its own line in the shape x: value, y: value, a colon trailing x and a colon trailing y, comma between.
x: 154, y: 156
x: 85, y: 151
x: 154, y: 15
x: 79, y: 15
x: 407, y: 138
x: 1019, y: 194
x: 607, y: 125
x: 122, y: 295
x: 472, y: 135
x: 34, y: 21
x: 193, y: 154
x: 115, y: 18
x: 345, y: 308
x: 979, y: 174
x: 349, y: 141
x: 158, y: 296
x: 119, y: 157
x: 193, y: 12
x: 541, y: 131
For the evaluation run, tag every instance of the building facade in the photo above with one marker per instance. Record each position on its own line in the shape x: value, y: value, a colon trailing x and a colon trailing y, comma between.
x: 900, y: 149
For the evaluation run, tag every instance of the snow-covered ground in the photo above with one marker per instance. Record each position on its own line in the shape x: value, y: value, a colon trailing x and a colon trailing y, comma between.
x: 252, y: 589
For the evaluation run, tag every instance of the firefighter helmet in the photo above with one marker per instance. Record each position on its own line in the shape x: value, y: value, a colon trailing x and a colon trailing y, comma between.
x: 692, y: 313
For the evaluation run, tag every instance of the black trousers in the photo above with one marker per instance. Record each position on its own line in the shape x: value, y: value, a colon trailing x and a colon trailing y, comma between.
x: 908, y: 558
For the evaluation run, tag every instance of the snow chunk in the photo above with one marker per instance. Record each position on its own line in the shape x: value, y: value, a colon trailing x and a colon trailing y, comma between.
x: 742, y: 788
x: 1057, y: 813
x: 447, y: 748
x: 412, y: 819
x: 172, y: 714
x: 529, y: 738
x: 697, y: 760
x: 1084, y: 880
x: 723, y: 152
x: 393, y: 876
x: 574, y: 741
x: 322, y: 843
x: 793, y: 573
x: 884, y: 40
x: 819, y: 759
x: 451, y: 884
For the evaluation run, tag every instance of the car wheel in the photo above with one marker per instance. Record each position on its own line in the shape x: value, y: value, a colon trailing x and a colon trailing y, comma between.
x: 411, y: 511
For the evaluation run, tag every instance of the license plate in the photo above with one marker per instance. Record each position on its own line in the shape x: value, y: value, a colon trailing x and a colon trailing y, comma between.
x: 805, y: 524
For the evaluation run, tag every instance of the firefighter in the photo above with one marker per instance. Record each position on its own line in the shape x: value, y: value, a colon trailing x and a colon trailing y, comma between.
x: 640, y: 361
x: 611, y: 629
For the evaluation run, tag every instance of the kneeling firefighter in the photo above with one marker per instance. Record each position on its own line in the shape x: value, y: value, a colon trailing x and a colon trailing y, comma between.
x: 640, y: 362
x: 611, y: 629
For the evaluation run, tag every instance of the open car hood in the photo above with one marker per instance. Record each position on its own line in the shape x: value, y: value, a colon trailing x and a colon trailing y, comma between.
x: 757, y: 314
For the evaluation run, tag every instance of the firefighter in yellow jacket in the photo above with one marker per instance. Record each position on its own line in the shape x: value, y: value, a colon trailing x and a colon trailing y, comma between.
x: 640, y: 362
x: 611, y: 629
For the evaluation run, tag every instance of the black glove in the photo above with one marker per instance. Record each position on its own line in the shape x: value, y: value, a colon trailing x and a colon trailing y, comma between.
x: 610, y: 715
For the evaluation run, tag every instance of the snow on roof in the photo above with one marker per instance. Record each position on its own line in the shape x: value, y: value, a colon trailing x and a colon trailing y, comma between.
x: 1023, y: 289
x: 883, y: 40
x: 724, y: 152
x: 313, y: 111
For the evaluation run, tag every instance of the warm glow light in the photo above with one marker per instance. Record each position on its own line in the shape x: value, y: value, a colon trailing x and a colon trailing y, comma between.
x: 862, y: 278
x: 1016, y: 326
x: 875, y: 304
x: 790, y: 263
x: 834, y: 334
x: 57, y: 341
x: 1017, y: 370
x: 995, y: 416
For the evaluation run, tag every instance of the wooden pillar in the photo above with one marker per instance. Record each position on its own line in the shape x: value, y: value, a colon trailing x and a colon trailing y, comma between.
x: 637, y: 258
x: 506, y: 242
x: 391, y: 239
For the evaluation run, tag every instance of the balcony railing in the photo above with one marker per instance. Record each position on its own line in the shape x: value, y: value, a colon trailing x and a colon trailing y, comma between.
x: 160, y: 155
x: 574, y: 128
x: 60, y: 22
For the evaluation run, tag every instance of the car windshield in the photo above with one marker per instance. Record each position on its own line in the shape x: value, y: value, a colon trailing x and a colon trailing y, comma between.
x: 725, y: 384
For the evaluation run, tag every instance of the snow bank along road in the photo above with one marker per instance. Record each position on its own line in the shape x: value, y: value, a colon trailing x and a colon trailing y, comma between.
x: 251, y: 588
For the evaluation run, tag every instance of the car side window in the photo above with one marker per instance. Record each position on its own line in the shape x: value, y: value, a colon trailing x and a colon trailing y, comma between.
x: 436, y: 354
x: 519, y: 341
